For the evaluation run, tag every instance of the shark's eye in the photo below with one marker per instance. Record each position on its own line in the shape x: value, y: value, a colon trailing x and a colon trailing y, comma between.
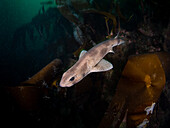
x: 72, y: 78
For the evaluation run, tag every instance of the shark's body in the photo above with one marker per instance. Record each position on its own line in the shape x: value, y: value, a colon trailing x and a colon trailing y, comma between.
x: 90, y: 61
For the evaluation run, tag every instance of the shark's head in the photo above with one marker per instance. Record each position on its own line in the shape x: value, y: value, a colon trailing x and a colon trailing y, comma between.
x: 70, y: 78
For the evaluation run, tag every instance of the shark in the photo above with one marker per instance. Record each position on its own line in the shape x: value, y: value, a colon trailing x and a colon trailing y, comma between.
x: 90, y: 61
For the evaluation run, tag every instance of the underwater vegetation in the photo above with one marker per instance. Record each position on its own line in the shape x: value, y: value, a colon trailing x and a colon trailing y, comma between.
x: 135, y: 93
x: 140, y: 86
x: 43, y: 27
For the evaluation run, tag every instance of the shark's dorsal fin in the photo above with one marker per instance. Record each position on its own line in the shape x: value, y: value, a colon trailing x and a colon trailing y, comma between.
x: 82, y: 53
x: 103, y: 65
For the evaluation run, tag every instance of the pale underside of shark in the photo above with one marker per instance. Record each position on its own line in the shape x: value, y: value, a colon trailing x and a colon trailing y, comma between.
x: 90, y: 61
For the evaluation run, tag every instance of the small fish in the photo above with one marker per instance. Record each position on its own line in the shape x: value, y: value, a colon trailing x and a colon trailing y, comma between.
x: 150, y: 109
x: 90, y: 61
x: 143, y: 124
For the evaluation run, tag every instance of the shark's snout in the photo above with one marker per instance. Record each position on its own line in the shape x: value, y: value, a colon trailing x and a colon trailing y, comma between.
x: 64, y: 85
x: 61, y: 85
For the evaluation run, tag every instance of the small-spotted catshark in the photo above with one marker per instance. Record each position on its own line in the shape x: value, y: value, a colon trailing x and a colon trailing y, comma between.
x: 90, y: 61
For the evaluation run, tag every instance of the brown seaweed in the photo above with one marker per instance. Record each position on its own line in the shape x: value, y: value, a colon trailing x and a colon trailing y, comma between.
x: 46, y: 75
x: 141, y: 84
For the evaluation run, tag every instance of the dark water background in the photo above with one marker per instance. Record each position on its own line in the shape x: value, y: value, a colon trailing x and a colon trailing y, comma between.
x: 14, y: 14
x: 19, y: 62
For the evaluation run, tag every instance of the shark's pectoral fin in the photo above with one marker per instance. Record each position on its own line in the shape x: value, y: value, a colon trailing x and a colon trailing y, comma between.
x: 82, y: 53
x: 103, y: 65
x: 111, y: 51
